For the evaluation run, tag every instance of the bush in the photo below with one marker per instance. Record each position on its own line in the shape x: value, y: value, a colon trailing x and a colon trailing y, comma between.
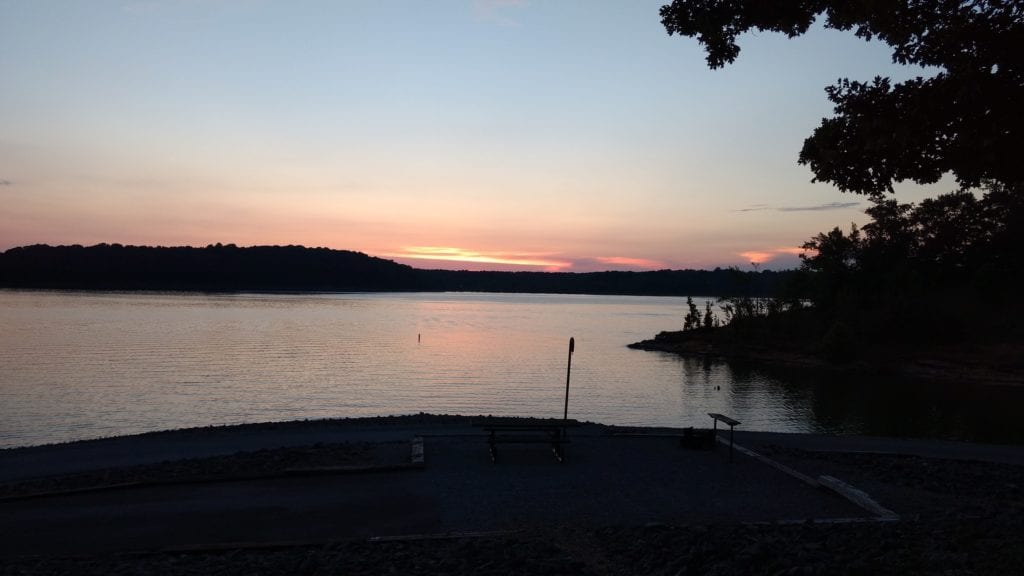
x: 839, y: 343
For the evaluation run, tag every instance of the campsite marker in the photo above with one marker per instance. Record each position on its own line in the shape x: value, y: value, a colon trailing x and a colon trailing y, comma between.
x: 568, y: 372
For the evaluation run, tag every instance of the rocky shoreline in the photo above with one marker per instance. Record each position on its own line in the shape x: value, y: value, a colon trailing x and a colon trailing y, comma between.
x: 994, y: 365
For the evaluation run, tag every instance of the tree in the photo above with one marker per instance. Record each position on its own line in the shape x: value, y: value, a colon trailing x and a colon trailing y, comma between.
x: 710, y: 319
x: 834, y: 257
x: 966, y: 119
x: 958, y: 232
x: 692, y: 319
x: 890, y: 234
x: 833, y: 253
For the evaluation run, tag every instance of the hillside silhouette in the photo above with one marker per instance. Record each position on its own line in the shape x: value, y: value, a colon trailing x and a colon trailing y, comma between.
x: 296, y: 268
x: 214, y: 268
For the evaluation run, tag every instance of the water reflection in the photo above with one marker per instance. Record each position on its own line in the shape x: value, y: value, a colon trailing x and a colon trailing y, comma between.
x: 83, y: 365
x: 870, y: 404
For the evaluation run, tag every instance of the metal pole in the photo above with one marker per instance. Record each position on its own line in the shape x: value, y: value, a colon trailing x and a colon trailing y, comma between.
x: 568, y: 372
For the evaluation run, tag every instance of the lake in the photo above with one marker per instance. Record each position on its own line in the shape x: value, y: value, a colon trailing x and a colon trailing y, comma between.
x: 78, y: 365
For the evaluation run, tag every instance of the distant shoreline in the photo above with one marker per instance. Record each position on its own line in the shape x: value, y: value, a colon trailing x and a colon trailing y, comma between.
x: 291, y: 269
x: 313, y: 292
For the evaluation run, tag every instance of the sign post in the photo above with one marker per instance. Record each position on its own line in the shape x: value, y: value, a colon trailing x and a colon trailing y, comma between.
x: 568, y: 372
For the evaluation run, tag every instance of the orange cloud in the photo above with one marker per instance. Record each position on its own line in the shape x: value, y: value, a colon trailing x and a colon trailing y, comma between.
x: 757, y: 257
x: 762, y: 256
x: 453, y: 254
x: 626, y: 261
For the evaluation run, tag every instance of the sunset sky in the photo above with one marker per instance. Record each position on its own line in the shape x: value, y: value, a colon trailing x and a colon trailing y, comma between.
x: 501, y: 134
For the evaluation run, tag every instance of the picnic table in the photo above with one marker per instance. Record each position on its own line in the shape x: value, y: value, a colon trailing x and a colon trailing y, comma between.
x: 550, y: 431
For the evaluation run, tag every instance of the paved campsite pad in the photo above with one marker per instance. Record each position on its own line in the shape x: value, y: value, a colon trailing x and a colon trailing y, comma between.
x: 951, y: 522
x: 191, y: 443
x: 339, y: 457
x: 606, y: 481
x: 609, y: 480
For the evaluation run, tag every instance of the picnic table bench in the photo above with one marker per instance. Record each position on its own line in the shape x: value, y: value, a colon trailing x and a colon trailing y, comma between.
x: 716, y: 417
x: 527, y: 431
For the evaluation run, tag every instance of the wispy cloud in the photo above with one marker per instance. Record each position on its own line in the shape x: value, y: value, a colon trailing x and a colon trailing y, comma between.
x: 794, y: 250
x: 812, y: 208
x: 755, y: 208
x: 770, y: 254
x: 6, y: 183
x: 500, y: 12
x: 463, y: 256
x: 820, y: 207
x: 626, y: 262
x: 757, y: 256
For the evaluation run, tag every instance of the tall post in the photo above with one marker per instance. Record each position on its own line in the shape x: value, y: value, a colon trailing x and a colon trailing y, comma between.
x: 568, y: 372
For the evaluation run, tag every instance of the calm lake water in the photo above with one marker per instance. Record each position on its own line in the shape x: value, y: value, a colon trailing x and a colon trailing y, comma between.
x: 77, y: 365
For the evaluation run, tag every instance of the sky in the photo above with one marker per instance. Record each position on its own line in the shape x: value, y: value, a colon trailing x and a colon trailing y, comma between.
x: 463, y: 134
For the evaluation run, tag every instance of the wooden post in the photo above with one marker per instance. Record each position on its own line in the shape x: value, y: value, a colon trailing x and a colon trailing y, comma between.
x: 568, y: 372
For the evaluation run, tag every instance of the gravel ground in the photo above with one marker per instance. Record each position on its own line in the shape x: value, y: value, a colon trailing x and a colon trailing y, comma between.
x: 928, y: 488
x: 964, y: 546
x: 958, y: 518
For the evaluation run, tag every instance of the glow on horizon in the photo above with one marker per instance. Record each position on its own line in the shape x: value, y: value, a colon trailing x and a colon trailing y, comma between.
x: 461, y: 256
x: 448, y: 257
x: 766, y: 256
x: 631, y: 262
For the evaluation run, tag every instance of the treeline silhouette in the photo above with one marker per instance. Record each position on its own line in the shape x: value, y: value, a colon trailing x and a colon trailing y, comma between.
x: 944, y: 271
x: 938, y: 280
x: 214, y: 268
x: 296, y: 268
x: 717, y: 282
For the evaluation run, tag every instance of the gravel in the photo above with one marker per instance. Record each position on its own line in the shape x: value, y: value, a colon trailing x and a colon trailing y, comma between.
x: 966, y: 546
x: 957, y: 518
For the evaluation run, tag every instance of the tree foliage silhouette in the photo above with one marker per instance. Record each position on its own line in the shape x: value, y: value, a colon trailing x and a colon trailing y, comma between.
x: 966, y: 119
x: 926, y: 273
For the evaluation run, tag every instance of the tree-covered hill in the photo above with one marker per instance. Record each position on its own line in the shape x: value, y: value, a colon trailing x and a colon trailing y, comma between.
x: 287, y: 268
x: 215, y: 268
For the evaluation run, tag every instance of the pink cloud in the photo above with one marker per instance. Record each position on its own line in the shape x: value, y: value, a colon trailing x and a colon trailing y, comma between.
x: 456, y: 258
x: 780, y: 257
x: 627, y: 262
x: 757, y: 256
x: 461, y: 258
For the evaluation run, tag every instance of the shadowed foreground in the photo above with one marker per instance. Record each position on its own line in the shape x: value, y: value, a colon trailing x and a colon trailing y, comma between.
x: 622, y: 503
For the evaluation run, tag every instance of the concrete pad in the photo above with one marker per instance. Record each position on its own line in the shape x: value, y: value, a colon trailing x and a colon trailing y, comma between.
x: 605, y: 481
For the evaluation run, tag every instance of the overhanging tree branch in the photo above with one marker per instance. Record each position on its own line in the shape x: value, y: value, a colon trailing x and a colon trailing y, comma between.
x: 965, y: 120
